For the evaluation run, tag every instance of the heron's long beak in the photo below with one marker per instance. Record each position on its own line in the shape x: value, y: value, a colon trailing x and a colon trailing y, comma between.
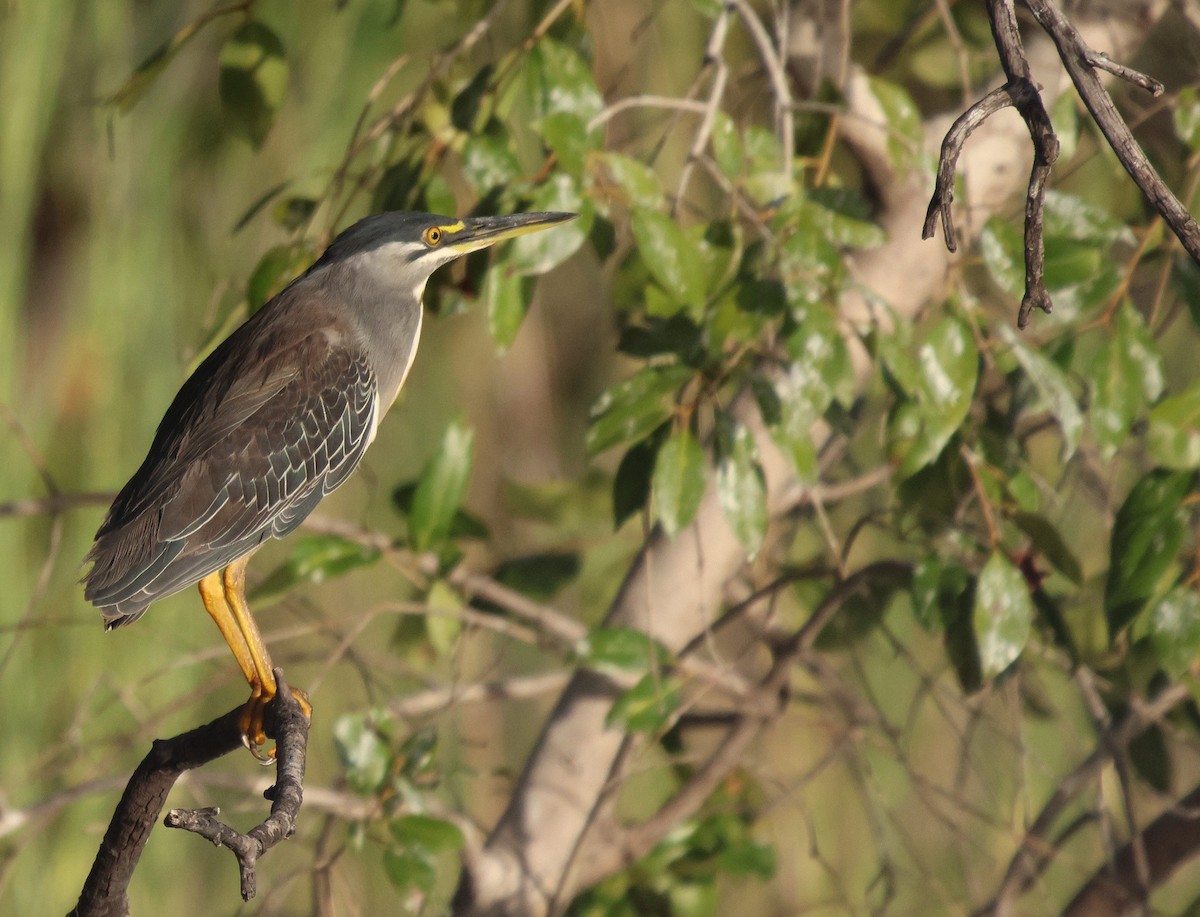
x: 480, y: 232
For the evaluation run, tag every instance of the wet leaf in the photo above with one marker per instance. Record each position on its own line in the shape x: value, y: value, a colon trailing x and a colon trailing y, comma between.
x: 364, y: 750
x: 648, y: 705
x: 742, y: 491
x: 631, y: 181
x: 947, y: 367
x: 670, y: 255
x: 632, y: 409
x: 678, y: 482
x: 1051, y: 385
x: 1175, y: 630
x: 1146, y: 538
x: 1173, y: 440
x: 441, y: 488
x: 507, y: 298
x: 1003, y: 614
x: 1125, y: 374
x: 538, y: 252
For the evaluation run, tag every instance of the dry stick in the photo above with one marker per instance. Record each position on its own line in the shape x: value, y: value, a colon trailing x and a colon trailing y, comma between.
x: 105, y: 892
x: 1023, y: 95
x: 1079, y: 61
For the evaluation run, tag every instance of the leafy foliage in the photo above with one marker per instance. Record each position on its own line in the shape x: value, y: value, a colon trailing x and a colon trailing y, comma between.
x: 1022, y: 506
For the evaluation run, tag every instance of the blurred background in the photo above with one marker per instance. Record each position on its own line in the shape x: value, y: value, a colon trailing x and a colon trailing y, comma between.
x: 145, y: 209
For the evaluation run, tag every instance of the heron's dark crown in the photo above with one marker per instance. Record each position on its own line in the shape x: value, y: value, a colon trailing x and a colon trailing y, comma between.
x: 380, y: 229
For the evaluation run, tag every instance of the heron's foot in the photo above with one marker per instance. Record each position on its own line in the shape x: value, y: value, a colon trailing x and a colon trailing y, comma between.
x: 251, y: 723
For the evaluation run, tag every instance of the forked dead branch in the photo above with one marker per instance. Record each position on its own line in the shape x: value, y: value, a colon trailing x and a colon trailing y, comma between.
x: 1021, y: 91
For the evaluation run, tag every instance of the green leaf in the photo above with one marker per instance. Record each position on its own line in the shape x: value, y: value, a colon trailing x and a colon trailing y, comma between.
x: 489, y: 161
x: 1002, y: 247
x: 631, y: 484
x: 444, y: 624
x: 678, y: 481
x: 253, y: 79
x: 633, y: 408
x: 816, y: 374
x: 748, y: 858
x: 632, y: 181
x: 742, y: 491
x: 364, y: 752
x: 1173, y: 440
x: 670, y: 255
x: 1071, y: 218
x: 1186, y: 114
x: 557, y: 79
x: 1151, y: 758
x: 1146, y: 538
x: 1125, y: 374
x: 464, y: 525
x: 1175, y: 630
x: 538, y: 252
x: 1052, y: 388
x: 1003, y: 614
x: 274, y: 271
x: 425, y: 833
x: 441, y: 488
x: 1047, y: 540
x: 727, y: 146
x: 567, y: 135
x: 409, y: 870
x: 938, y: 586
x: 313, y: 559
x: 507, y: 298
x: 905, y: 139
x: 623, y: 648
x: 648, y: 705
x: 540, y: 576
x: 845, y: 218
x: 947, y: 367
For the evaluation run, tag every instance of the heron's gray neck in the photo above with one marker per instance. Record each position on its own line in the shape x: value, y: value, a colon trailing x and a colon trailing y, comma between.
x: 387, y: 313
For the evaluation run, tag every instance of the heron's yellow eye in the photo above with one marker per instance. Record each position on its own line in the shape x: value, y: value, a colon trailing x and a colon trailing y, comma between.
x: 432, y: 236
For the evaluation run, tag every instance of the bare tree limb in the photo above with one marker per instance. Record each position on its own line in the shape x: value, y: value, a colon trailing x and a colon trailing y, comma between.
x: 1081, y: 62
x: 1169, y: 841
x: 105, y: 892
x: 1024, y: 96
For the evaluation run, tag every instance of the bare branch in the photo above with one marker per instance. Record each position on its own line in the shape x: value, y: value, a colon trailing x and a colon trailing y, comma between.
x: 105, y: 892
x: 1080, y: 62
x: 1169, y: 841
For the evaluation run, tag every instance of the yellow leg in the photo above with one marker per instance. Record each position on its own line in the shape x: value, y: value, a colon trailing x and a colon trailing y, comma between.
x: 212, y: 593
x: 243, y: 637
x: 233, y: 578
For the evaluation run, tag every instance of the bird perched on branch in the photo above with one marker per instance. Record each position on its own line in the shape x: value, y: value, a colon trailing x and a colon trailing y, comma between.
x: 274, y: 419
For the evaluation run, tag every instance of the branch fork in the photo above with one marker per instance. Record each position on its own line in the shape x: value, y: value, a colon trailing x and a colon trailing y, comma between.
x: 1020, y: 92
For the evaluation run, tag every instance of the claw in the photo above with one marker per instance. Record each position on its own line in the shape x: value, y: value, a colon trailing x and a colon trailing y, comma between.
x: 250, y: 722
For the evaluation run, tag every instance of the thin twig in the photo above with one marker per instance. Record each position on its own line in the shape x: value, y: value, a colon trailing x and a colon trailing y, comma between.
x: 713, y: 59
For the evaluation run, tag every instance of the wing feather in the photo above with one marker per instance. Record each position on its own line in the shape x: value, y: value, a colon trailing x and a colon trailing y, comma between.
x: 244, y: 458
